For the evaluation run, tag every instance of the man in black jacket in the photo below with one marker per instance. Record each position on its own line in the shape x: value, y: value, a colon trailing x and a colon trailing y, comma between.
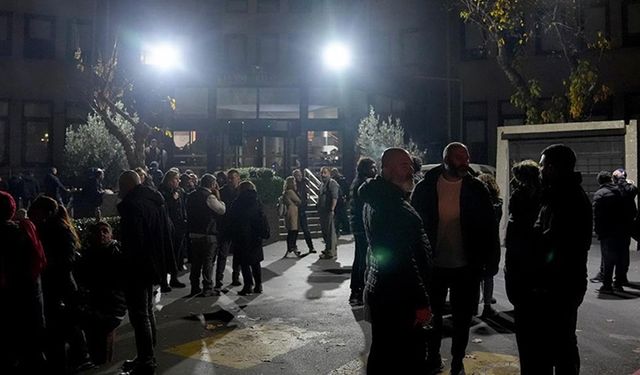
x: 563, y: 231
x: 204, y: 209
x: 147, y: 258
x: 399, y: 269
x: 366, y: 169
x: 461, y: 226
x: 613, y: 215
x: 228, y: 195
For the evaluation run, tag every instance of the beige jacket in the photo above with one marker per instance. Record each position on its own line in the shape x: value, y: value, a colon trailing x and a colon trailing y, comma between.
x: 291, y: 201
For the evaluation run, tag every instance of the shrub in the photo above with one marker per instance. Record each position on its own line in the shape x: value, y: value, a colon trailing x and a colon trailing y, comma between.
x: 84, y: 225
x: 269, y: 185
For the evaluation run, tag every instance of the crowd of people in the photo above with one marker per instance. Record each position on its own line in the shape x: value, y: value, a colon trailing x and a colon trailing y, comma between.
x: 418, y: 239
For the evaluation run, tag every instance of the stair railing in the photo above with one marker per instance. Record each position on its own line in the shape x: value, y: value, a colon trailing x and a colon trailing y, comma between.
x: 313, y: 186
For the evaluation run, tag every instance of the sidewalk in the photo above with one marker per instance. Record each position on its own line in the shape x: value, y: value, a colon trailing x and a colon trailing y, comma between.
x: 303, y: 324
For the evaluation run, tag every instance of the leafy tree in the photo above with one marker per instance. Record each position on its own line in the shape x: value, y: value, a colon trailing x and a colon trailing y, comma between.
x: 376, y: 135
x: 91, y: 145
x: 509, y: 26
x: 104, y: 84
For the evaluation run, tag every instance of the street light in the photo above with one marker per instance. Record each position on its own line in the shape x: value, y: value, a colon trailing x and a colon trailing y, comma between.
x: 336, y: 56
x: 162, y: 56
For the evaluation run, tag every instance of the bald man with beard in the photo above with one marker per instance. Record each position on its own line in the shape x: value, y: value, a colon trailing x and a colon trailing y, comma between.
x: 399, y: 263
x: 147, y: 250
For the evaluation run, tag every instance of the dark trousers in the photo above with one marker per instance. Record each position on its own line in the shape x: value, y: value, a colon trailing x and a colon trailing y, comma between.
x: 547, y: 341
x: 397, y: 345
x: 251, y: 275
x: 615, y: 255
x: 224, y: 251
x: 292, y: 237
x: 304, y: 226
x: 359, y: 263
x: 202, y: 258
x: 139, y: 299
x: 487, y: 290
x: 99, y: 330
x: 464, y: 286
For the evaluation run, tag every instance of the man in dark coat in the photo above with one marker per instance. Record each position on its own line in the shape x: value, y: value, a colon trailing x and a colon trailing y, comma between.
x: 228, y: 194
x: 563, y: 232
x: 147, y: 258
x: 629, y: 191
x: 53, y: 188
x: 248, y: 227
x: 366, y: 169
x: 302, y: 190
x: 30, y: 188
x: 176, y: 210
x: 398, y: 269
x: 613, y: 216
x: 460, y: 222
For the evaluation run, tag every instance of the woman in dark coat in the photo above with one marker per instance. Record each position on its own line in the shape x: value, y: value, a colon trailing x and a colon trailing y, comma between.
x: 248, y: 226
x: 21, y: 317
x: 487, y: 281
x: 60, y: 241
x: 520, y: 242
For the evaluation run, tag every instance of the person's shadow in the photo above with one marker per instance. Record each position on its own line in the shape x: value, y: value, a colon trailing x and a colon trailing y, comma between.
x: 325, y: 275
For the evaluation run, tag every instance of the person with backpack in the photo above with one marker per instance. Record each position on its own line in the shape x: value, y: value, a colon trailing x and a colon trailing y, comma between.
x: 290, y: 202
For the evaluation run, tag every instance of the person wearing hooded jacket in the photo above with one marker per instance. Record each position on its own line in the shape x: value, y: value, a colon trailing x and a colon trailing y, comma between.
x: 147, y: 257
x: 398, y: 272
x: 460, y: 222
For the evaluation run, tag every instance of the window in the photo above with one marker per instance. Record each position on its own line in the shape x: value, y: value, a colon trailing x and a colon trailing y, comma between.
x: 509, y: 115
x: 299, y: 48
x: 596, y: 19
x: 235, y: 46
x: 323, y: 103
x: 268, y: 6
x: 279, y: 103
x: 39, y: 37
x: 237, y: 6
x: 4, y: 131
x: 237, y: 103
x: 192, y: 102
x: 324, y: 149
x: 473, y: 42
x: 5, y: 33
x: 300, y: 6
x: 380, y: 48
x: 36, y: 135
x: 79, y: 35
x: 381, y: 104
x: 632, y: 106
x: 183, y: 139
x: 475, y: 130
x: 412, y: 46
x: 631, y: 22
x: 75, y: 113
x: 268, y: 49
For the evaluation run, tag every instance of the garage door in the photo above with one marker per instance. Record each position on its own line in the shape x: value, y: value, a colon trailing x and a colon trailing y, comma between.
x: 595, y: 154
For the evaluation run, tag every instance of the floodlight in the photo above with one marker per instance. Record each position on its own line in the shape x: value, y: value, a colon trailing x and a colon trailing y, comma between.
x: 162, y: 56
x: 336, y: 56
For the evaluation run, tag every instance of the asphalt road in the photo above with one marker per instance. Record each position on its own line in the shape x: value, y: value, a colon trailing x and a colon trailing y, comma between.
x: 303, y: 324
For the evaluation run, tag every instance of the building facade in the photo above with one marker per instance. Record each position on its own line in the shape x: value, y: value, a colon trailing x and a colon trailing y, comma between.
x: 252, y: 89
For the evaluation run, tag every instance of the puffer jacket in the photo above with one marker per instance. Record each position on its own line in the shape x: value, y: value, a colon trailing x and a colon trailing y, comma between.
x: 481, y: 241
x: 399, y: 255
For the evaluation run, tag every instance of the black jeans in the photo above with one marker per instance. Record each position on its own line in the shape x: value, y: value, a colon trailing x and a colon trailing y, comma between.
x: 464, y: 286
x: 251, y: 275
x: 615, y: 255
x: 359, y: 262
x: 139, y: 297
x: 547, y: 341
x: 397, y: 345
x: 292, y: 237
x: 224, y: 250
x: 304, y: 226
x: 202, y: 258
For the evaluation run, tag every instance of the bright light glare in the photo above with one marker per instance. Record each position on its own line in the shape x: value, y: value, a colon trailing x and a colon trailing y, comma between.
x: 336, y: 56
x: 162, y: 56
